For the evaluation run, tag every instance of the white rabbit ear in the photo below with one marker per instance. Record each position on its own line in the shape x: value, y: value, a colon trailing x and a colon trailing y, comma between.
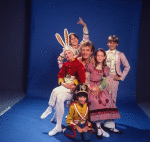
x: 66, y: 37
x: 58, y: 37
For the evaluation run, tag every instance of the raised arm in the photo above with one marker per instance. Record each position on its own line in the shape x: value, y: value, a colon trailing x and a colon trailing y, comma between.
x: 81, y: 22
x: 85, y: 30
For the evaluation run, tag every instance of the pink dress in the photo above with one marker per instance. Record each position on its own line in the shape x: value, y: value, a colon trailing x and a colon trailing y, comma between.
x: 101, y: 105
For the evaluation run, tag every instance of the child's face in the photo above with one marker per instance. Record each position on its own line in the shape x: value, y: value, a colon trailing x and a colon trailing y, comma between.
x: 100, y: 57
x: 112, y: 45
x: 74, y: 40
x: 68, y: 55
x: 82, y: 99
x: 86, y: 52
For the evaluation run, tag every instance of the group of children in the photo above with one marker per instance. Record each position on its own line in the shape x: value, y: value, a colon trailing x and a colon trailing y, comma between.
x: 92, y: 82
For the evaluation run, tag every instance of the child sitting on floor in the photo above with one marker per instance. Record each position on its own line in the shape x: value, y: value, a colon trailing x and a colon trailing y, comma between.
x: 77, y: 119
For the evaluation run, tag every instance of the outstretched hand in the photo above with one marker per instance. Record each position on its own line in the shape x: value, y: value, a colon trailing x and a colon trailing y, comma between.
x: 81, y: 22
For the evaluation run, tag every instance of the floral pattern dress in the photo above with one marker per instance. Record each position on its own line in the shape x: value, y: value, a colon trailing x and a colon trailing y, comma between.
x: 101, y: 105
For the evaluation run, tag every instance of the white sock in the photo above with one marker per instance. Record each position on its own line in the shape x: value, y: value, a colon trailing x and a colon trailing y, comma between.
x: 105, y: 134
x: 98, y: 124
x: 99, y: 132
x: 54, y: 131
x: 46, y: 112
x: 99, y: 129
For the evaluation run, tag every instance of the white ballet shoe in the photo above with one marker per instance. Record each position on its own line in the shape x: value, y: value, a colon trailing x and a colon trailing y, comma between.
x: 114, y: 130
x: 46, y: 113
x: 99, y: 131
x: 105, y: 134
x: 54, y: 131
x: 109, y: 124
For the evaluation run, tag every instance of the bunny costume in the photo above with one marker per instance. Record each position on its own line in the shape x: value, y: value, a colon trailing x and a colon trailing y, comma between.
x: 68, y: 74
x: 77, y: 51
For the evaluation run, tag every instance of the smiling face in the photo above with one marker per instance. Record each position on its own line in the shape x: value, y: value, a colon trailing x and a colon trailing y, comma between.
x: 100, y: 57
x: 86, y: 52
x: 82, y: 99
x: 73, y: 40
x: 68, y: 55
x: 112, y: 45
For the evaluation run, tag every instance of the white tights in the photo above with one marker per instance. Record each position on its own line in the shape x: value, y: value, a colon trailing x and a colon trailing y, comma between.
x: 61, y: 98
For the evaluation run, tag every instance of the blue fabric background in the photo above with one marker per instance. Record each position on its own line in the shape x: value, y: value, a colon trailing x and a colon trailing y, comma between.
x: 103, y: 18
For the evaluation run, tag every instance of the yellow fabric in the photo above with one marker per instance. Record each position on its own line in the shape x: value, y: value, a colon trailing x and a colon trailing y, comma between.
x: 60, y: 80
x: 75, y: 81
x: 73, y: 115
x: 73, y: 59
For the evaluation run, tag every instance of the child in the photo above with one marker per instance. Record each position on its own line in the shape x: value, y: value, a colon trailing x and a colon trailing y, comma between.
x: 101, y: 105
x: 77, y: 119
x: 114, y: 60
x: 73, y: 38
x: 67, y: 75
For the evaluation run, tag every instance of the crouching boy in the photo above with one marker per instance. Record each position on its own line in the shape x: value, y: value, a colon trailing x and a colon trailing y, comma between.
x: 79, y: 128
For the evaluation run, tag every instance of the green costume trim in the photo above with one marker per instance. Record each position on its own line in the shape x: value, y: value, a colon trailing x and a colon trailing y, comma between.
x: 103, y: 83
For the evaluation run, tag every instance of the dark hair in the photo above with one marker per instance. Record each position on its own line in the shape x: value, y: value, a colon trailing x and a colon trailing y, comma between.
x: 79, y: 92
x: 74, y: 36
x: 96, y: 62
x: 113, y: 38
x: 75, y: 96
x: 89, y: 44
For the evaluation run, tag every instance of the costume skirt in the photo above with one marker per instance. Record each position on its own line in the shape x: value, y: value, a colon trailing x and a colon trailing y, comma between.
x: 101, y: 106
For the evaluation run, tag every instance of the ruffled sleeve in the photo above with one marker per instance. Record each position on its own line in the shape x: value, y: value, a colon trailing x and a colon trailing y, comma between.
x: 89, y: 67
x: 85, y: 36
x: 106, y: 71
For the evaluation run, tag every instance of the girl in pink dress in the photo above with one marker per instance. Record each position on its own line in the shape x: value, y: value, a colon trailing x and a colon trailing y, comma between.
x: 101, y: 105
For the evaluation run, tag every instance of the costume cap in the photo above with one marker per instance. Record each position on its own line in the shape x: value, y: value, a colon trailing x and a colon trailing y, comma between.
x: 81, y: 88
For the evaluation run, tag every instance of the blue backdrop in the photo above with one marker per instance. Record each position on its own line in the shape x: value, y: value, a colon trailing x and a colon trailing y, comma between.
x: 103, y: 18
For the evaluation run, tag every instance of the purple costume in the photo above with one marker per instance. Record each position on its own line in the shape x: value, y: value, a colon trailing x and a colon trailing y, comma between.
x: 101, y: 105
